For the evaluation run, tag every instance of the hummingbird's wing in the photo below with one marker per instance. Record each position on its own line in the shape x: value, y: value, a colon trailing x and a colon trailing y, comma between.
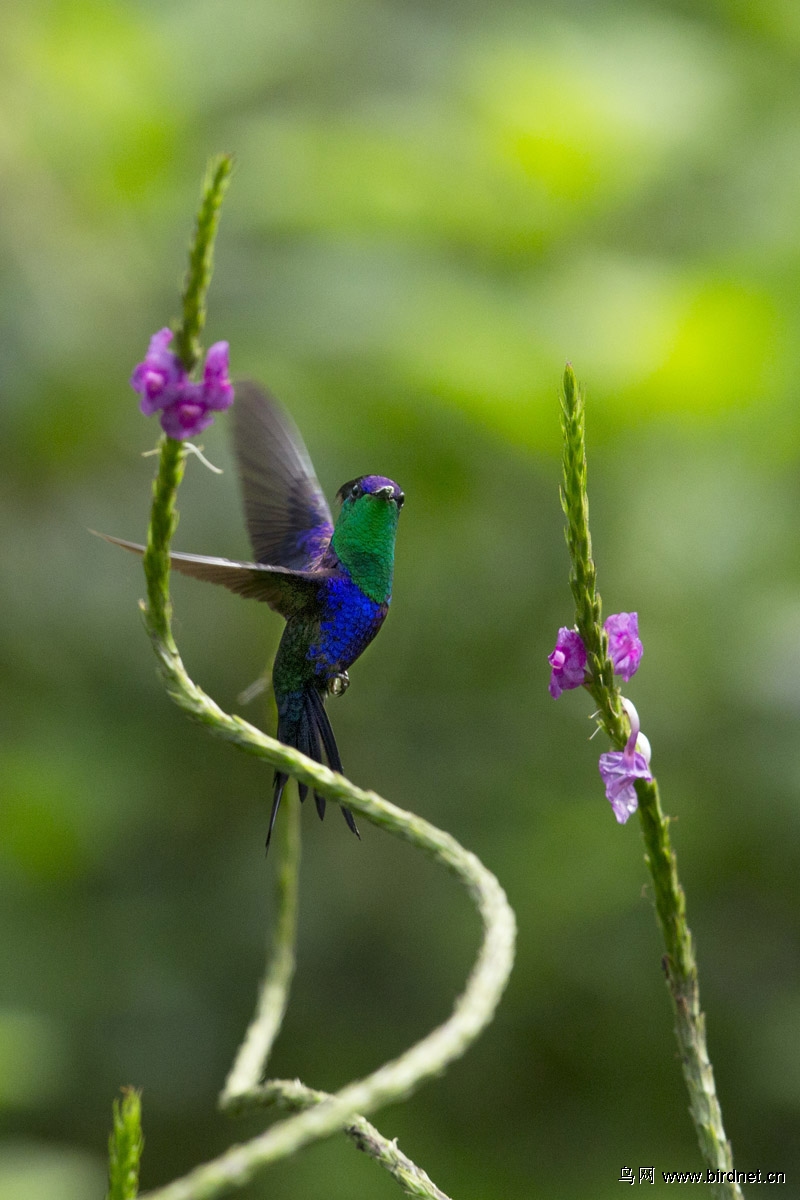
x: 287, y: 515
x: 287, y: 591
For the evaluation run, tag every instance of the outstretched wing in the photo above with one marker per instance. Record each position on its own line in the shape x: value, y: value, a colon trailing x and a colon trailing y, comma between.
x: 287, y: 591
x: 287, y: 516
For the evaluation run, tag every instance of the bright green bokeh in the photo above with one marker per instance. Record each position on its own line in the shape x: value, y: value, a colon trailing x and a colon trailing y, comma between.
x: 434, y: 207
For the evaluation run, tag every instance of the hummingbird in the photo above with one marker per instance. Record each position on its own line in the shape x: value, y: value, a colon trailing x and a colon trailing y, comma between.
x: 332, y: 582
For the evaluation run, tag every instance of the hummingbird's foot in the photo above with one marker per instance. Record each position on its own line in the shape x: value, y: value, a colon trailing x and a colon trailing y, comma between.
x: 338, y: 684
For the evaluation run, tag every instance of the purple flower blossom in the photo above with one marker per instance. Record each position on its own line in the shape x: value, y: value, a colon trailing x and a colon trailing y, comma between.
x: 217, y: 387
x: 159, y: 378
x: 568, y: 661
x: 619, y: 768
x: 187, y: 408
x: 624, y: 647
x: 188, y: 415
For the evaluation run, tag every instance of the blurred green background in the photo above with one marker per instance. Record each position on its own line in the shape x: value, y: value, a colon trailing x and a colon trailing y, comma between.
x: 435, y: 205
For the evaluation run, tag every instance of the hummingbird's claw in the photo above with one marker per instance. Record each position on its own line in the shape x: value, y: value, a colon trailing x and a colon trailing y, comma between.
x: 338, y: 684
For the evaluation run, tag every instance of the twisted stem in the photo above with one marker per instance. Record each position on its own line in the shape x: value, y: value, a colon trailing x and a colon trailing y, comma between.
x: 293, y: 1096
x: 679, y: 961
x: 243, y: 1091
x: 317, y: 1114
x: 251, y: 1059
x: 475, y: 1007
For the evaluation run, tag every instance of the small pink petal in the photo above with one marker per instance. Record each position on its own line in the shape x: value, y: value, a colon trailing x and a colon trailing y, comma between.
x: 624, y: 645
x: 568, y: 662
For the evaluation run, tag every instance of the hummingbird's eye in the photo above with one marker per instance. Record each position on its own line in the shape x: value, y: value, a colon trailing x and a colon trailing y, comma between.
x: 356, y: 490
x: 399, y: 499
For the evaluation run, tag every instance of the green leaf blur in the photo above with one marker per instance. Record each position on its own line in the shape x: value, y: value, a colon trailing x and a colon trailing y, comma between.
x: 434, y: 206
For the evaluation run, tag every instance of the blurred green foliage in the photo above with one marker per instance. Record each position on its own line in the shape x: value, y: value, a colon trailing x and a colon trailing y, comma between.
x: 435, y: 205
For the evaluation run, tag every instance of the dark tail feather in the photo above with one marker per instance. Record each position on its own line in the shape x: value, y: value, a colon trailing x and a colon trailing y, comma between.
x: 308, y: 744
x: 322, y: 726
x: 351, y: 821
x: 304, y: 746
x: 310, y: 733
x: 292, y: 732
x: 315, y: 752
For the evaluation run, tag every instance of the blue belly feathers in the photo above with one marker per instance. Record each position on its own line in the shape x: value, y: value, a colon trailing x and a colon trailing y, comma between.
x: 349, y: 623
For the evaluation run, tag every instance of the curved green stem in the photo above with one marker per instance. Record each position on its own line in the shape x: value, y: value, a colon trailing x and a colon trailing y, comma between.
x: 475, y: 1007
x: 243, y: 1090
x: 294, y: 1096
x: 318, y: 1114
x: 679, y: 961
x: 255, y: 1050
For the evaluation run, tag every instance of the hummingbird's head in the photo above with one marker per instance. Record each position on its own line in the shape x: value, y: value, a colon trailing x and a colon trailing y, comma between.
x: 365, y: 530
x: 376, y: 487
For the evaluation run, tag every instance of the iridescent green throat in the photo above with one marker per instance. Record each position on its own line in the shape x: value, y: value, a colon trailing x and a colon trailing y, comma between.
x: 364, y: 542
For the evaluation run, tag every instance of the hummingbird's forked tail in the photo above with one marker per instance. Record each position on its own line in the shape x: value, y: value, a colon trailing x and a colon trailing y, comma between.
x: 303, y: 724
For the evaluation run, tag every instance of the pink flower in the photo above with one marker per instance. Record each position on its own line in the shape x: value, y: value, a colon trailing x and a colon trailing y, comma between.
x: 568, y: 661
x: 158, y: 379
x: 619, y: 769
x: 186, y: 408
x: 188, y: 416
x: 217, y: 388
x: 624, y: 647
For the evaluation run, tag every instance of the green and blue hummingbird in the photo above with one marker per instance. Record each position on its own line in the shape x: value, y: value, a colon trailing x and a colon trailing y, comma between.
x: 331, y: 582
